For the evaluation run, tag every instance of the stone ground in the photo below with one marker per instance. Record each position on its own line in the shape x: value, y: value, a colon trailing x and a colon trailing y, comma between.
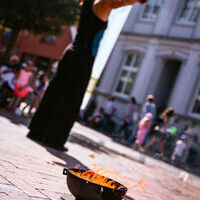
x: 29, y: 171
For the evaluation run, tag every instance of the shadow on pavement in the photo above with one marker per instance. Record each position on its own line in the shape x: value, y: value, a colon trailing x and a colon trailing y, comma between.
x: 86, y: 143
x: 70, y: 161
x: 14, y: 118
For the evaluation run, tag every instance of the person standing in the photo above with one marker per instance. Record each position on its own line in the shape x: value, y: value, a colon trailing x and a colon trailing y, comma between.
x: 149, y: 106
x: 60, y: 105
x: 109, y: 111
x: 128, y: 117
x: 190, y: 132
x: 8, y: 72
x: 22, y: 86
x: 160, y: 131
x: 179, y: 150
x: 143, y: 127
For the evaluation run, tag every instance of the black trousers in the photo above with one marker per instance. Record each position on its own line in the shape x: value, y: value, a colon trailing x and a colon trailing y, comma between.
x: 60, y: 105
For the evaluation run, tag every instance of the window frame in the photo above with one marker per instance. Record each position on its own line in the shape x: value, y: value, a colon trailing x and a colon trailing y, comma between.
x: 51, y: 40
x: 186, y: 22
x: 147, y: 19
x: 130, y: 69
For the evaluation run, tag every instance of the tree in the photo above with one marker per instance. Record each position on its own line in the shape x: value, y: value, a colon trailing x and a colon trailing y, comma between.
x: 36, y: 16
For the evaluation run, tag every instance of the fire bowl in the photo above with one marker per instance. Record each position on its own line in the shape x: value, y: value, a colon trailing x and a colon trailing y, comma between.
x: 85, y: 190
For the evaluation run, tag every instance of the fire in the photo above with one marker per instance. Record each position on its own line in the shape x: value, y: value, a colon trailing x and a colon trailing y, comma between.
x: 95, y: 178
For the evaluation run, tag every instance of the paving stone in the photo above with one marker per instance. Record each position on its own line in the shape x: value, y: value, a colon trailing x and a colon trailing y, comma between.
x: 4, y: 181
x: 14, y: 193
x: 30, y: 171
x: 50, y: 194
x: 4, y: 196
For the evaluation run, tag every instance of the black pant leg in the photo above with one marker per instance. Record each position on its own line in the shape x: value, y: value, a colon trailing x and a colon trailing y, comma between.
x: 67, y: 109
x: 40, y: 120
x: 44, y: 113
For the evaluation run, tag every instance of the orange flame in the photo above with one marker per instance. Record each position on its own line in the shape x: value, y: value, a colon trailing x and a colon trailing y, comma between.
x: 95, y: 178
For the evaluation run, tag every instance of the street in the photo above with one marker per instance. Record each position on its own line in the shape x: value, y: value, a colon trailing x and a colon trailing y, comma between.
x: 30, y: 171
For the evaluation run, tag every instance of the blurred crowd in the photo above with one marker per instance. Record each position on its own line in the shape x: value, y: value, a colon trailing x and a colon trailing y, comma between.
x: 22, y: 86
x: 144, y: 129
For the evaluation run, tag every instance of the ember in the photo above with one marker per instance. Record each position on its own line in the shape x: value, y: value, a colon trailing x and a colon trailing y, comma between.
x: 93, y: 177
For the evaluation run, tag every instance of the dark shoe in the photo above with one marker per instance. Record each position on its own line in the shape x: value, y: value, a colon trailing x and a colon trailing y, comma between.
x: 57, y: 147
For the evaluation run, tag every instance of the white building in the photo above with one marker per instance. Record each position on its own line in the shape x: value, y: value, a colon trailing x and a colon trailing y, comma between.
x: 158, y: 52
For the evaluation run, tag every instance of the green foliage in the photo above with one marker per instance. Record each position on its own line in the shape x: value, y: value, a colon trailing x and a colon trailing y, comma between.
x: 38, y: 16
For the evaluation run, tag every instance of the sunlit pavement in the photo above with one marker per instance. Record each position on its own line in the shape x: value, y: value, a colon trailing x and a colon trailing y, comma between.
x: 31, y: 171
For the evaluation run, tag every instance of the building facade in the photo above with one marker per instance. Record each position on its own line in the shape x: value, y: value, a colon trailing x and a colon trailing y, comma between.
x: 158, y: 52
x: 44, y: 51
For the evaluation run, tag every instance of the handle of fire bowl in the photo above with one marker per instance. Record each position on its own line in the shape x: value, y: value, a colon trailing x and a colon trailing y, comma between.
x: 65, y: 171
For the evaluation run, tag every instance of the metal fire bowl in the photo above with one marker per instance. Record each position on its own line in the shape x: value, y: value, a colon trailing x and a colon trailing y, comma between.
x: 86, y: 190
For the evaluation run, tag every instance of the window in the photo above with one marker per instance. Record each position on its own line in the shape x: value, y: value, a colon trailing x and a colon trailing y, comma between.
x: 196, y: 108
x: 152, y: 9
x: 190, y: 12
x: 49, y: 40
x: 128, y: 74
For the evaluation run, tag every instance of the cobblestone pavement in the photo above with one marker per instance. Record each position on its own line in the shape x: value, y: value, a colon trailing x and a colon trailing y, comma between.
x: 29, y: 171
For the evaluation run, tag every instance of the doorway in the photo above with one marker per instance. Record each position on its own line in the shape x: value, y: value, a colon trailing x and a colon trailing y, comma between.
x: 166, y: 81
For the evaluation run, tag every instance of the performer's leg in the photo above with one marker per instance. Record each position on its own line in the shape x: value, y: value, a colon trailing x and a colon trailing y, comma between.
x: 68, y: 106
x: 41, y: 119
x: 44, y: 112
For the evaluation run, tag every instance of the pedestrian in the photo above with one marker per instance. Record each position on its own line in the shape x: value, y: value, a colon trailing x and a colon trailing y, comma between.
x: 170, y: 137
x: 190, y: 132
x: 173, y: 132
x: 32, y: 96
x: 13, y: 64
x: 97, y: 118
x: 128, y: 118
x: 143, y: 127
x: 149, y: 106
x: 60, y: 106
x: 176, y: 123
x: 40, y: 89
x: 179, y: 151
x: 8, y: 72
x: 109, y: 111
x: 160, y: 131
x: 22, y: 86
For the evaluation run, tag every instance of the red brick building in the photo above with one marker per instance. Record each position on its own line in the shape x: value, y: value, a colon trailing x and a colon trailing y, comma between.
x: 44, y: 51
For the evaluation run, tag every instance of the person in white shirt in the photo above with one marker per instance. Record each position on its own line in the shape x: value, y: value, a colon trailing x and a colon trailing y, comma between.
x: 97, y: 118
x: 8, y: 73
x: 190, y: 133
x: 180, y: 148
x: 109, y: 111
x: 149, y: 106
